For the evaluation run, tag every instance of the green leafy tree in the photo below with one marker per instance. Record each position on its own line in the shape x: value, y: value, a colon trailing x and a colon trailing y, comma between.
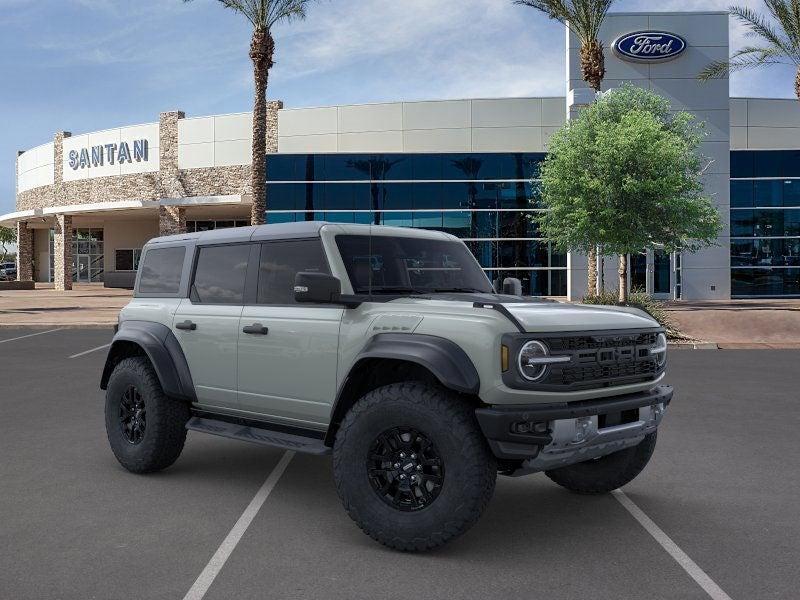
x: 8, y: 236
x: 263, y: 15
x: 778, y: 40
x: 584, y: 19
x: 626, y: 175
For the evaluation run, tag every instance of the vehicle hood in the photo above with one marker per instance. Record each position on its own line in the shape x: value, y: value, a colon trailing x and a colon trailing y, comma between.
x: 558, y: 316
x: 543, y: 315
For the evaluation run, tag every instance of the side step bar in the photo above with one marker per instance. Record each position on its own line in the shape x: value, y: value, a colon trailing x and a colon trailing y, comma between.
x: 258, y: 435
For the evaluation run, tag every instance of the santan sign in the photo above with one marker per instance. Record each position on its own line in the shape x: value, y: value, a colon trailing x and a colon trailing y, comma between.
x: 97, y: 156
x: 649, y: 46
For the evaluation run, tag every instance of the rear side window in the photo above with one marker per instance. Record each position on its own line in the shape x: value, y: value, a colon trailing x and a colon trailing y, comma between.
x: 220, y: 274
x: 161, y: 271
x: 281, y: 261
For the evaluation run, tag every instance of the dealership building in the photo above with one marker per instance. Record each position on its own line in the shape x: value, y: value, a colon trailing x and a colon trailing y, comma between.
x: 86, y: 204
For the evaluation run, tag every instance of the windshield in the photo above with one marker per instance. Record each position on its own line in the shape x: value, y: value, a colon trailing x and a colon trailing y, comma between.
x: 382, y: 264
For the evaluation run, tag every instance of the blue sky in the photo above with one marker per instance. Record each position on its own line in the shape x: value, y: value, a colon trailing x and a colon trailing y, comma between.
x: 84, y: 65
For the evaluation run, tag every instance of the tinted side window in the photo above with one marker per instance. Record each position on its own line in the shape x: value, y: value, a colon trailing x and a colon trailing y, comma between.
x: 220, y: 274
x: 280, y: 262
x: 161, y: 271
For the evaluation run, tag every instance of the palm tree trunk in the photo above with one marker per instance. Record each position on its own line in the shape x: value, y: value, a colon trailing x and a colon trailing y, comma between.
x: 601, y: 276
x: 593, y: 70
x: 797, y: 84
x: 623, y: 278
x: 593, y: 64
x: 262, y: 48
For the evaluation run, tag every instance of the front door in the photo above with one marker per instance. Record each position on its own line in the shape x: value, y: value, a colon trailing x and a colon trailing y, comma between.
x: 288, y: 352
x: 638, y: 268
x: 662, y: 270
x: 83, y: 268
x: 207, y: 323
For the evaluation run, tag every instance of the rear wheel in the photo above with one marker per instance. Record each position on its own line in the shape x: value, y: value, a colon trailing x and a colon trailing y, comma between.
x: 606, y: 473
x: 145, y: 428
x: 412, y: 467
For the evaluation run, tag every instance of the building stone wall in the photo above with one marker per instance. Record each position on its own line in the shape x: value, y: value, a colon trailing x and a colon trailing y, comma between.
x: 24, y: 252
x: 62, y: 250
x: 217, y: 181
x: 273, y: 106
x: 171, y: 220
x: 169, y: 177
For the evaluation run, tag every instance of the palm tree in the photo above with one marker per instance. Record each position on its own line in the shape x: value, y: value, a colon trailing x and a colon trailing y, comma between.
x: 376, y: 168
x: 584, y: 19
x: 780, y: 42
x: 263, y: 15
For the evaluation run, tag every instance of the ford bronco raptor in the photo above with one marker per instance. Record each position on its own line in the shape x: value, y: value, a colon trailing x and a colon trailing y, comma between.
x: 390, y: 349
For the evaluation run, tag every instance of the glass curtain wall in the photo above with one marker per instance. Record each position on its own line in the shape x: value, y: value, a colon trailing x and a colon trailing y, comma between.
x: 484, y: 199
x: 765, y: 223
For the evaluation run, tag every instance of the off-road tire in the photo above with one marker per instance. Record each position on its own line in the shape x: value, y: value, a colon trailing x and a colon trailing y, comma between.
x: 165, y: 426
x: 607, y: 473
x: 469, y: 466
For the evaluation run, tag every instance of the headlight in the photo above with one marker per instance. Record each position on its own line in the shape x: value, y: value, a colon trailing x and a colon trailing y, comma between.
x: 534, y: 358
x: 660, y: 350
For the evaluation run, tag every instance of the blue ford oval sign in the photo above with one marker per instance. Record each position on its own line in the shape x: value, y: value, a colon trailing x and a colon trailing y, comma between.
x: 649, y: 46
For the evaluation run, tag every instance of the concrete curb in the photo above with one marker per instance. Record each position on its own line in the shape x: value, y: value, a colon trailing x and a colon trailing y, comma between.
x: 693, y: 345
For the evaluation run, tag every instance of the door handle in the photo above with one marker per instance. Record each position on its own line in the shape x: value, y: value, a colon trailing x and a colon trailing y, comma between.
x: 186, y: 325
x: 255, y: 328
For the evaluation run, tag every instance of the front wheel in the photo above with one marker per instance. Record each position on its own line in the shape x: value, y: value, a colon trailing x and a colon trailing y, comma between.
x: 145, y: 428
x: 606, y: 473
x: 412, y: 467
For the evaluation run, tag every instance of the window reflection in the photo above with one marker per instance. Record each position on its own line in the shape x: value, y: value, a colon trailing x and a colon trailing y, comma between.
x: 473, y: 196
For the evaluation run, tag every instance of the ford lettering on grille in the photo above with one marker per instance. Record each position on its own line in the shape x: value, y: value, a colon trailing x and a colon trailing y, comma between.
x: 601, y: 360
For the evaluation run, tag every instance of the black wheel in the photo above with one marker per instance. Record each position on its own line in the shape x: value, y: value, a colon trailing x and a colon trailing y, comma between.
x: 606, y: 473
x: 412, y: 467
x: 145, y: 428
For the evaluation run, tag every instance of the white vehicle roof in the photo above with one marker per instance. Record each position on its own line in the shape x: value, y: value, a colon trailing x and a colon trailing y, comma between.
x: 302, y: 229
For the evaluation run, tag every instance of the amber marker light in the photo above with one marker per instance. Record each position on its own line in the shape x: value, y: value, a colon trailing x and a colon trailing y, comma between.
x: 504, y: 358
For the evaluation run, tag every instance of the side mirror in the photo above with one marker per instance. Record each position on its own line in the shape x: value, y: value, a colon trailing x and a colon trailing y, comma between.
x: 512, y: 286
x: 319, y: 288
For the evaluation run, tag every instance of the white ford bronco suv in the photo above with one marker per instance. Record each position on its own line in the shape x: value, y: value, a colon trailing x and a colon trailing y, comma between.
x: 389, y: 349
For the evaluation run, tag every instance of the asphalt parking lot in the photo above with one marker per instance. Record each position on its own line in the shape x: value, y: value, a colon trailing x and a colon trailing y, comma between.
x: 723, y: 486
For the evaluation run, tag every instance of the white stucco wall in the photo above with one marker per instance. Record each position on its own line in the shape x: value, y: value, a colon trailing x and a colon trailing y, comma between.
x: 765, y: 124
x: 215, y: 141
x: 116, y: 136
x: 35, y: 167
x: 128, y: 233
x: 478, y: 125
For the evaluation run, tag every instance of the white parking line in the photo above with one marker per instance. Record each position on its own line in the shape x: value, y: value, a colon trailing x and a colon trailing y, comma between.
x: 688, y: 565
x: 89, y: 351
x: 22, y: 337
x: 214, y: 566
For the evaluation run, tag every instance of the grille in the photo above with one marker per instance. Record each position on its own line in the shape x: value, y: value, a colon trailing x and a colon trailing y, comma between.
x: 595, y: 342
x: 602, y: 360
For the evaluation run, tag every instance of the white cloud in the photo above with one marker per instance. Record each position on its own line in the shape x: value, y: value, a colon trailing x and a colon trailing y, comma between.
x: 420, y: 48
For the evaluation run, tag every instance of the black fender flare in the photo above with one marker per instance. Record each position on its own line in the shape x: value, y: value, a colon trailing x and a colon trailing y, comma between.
x: 164, y: 351
x: 445, y: 359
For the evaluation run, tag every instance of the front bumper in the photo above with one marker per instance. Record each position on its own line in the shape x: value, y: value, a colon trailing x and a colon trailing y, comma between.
x: 548, y: 436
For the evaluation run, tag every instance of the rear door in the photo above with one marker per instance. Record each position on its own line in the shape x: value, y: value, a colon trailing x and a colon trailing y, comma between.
x: 288, y: 351
x: 207, y: 323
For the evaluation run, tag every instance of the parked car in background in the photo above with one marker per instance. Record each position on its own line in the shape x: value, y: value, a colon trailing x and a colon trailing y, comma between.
x: 8, y: 271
